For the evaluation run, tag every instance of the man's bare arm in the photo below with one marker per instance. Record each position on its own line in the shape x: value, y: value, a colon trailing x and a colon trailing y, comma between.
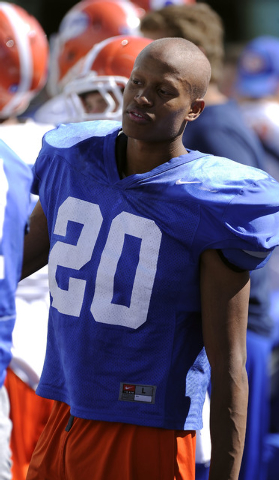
x: 36, y: 243
x: 225, y: 297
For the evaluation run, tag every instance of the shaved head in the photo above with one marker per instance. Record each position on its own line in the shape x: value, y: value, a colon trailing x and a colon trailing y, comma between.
x: 184, y: 58
x: 165, y: 91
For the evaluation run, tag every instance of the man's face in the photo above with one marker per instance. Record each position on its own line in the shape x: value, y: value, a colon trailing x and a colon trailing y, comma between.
x: 95, y: 103
x: 156, y: 101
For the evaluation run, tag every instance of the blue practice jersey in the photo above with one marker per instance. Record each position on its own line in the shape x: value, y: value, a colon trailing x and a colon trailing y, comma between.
x: 15, y: 183
x: 125, y: 338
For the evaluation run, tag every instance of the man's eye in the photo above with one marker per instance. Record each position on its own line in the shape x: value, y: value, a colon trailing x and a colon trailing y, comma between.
x: 164, y: 92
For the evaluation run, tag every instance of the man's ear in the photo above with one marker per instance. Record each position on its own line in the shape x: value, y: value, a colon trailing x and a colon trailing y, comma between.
x: 196, y: 109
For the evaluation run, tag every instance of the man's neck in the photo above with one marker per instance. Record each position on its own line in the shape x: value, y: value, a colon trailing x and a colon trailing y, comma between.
x: 141, y: 157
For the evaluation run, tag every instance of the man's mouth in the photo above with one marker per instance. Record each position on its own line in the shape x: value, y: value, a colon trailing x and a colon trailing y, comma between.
x: 138, y: 116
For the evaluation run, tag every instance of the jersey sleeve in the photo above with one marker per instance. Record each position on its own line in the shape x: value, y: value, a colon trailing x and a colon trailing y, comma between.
x: 252, y: 217
x: 41, y: 170
x: 59, y: 141
x: 239, y: 210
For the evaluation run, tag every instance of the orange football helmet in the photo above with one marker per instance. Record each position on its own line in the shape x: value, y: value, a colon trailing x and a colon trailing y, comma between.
x: 105, y: 69
x: 157, y: 4
x: 24, y: 59
x: 87, y: 23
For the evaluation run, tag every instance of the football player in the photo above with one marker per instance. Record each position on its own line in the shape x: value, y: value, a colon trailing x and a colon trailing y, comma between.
x: 84, y: 25
x: 95, y: 84
x: 149, y: 247
x: 24, y: 56
x: 15, y: 182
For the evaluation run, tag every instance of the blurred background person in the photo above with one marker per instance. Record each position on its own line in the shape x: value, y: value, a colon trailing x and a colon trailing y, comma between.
x: 84, y: 25
x: 221, y: 130
x: 15, y: 183
x: 24, y: 65
x: 257, y: 91
x: 95, y: 91
x: 24, y: 60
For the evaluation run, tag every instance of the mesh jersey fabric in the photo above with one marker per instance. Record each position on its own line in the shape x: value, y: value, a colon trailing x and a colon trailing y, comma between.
x: 124, y: 336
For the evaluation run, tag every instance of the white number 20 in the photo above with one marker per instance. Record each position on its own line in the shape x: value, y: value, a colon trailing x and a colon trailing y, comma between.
x: 69, y: 302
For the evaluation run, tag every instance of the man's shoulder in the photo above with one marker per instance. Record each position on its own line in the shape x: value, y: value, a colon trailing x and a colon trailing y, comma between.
x: 219, y: 170
x: 68, y: 135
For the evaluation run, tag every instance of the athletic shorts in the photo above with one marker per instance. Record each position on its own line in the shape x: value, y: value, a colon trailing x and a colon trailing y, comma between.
x: 72, y: 448
x: 29, y: 414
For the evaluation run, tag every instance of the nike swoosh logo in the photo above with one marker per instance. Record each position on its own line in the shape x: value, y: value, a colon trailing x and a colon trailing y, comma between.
x: 182, y: 182
x: 195, y: 182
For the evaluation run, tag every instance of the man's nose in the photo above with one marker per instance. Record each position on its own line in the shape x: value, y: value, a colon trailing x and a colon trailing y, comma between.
x: 143, y: 97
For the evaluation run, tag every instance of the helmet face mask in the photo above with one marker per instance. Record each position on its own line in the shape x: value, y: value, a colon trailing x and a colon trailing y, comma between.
x: 107, y: 104
x: 24, y: 52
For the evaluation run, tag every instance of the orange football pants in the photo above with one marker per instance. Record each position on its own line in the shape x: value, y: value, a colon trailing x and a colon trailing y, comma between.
x: 72, y: 448
x: 29, y: 414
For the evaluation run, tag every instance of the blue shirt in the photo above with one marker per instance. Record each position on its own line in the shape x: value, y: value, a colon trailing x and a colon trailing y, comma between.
x: 125, y: 338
